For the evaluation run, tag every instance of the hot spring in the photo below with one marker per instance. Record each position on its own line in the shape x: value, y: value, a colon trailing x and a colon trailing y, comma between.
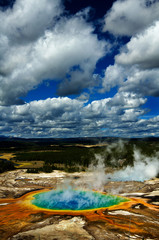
x: 75, y: 200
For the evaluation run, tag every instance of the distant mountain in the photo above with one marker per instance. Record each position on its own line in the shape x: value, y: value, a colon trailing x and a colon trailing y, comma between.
x: 82, y: 140
x: 3, y: 137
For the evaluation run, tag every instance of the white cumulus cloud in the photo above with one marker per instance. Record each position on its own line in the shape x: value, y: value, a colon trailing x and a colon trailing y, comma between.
x: 38, y: 43
x: 129, y: 17
x: 61, y: 117
x: 136, y: 67
x: 142, y: 49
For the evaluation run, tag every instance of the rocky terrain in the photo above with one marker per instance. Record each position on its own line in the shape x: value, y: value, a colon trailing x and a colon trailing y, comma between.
x: 137, y: 219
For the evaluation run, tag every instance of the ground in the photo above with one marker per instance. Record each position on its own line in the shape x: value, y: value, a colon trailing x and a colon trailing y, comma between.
x: 137, y: 219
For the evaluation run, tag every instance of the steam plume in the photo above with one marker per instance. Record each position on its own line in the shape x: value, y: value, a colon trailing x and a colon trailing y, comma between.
x: 144, y: 168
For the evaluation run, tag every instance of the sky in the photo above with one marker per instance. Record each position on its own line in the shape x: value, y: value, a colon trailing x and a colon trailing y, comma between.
x: 79, y: 68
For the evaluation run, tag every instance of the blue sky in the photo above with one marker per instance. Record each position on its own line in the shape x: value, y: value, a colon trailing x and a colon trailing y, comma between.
x: 79, y: 68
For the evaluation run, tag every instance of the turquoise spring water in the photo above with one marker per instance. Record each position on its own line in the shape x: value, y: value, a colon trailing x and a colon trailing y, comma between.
x: 75, y: 200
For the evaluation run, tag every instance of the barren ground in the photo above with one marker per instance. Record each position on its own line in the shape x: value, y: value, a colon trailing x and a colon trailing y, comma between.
x: 137, y: 220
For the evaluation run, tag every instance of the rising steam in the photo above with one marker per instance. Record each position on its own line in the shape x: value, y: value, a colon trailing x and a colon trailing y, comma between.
x: 143, y: 167
x: 98, y: 177
x: 140, y: 168
x: 78, y: 195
